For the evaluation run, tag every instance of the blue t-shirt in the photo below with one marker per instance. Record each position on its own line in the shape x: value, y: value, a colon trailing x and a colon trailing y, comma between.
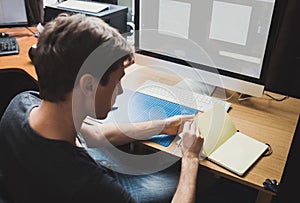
x: 37, y: 169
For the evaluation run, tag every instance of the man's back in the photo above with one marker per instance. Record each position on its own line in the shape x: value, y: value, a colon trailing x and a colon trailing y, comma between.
x: 37, y: 169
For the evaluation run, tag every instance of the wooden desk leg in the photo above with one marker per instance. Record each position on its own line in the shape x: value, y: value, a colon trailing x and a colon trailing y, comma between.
x: 263, y: 197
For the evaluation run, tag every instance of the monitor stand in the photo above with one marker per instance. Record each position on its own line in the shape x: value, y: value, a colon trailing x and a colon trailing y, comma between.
x: 196, y: 86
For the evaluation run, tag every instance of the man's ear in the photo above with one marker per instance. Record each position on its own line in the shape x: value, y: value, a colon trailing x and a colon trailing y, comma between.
x: 88, y: 84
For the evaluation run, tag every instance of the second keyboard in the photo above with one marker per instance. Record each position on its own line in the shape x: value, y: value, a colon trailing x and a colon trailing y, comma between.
x: 8, y: 46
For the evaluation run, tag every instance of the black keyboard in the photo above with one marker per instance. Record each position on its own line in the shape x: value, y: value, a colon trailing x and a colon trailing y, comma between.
x: 8, y: 46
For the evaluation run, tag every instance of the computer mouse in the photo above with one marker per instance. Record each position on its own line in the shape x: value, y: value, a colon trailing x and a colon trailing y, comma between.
x: 3, y: 34
x: 31, y: 52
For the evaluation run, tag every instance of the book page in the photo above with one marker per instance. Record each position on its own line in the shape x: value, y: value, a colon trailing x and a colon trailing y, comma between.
x: 216, y: 127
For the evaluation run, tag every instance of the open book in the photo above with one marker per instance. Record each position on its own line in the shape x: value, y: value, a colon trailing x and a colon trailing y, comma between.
x: 224, y: 145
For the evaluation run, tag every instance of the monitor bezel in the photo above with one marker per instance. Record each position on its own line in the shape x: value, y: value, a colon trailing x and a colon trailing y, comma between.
x: 14, y: 24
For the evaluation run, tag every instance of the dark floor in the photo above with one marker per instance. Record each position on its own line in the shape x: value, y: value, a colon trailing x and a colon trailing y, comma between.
x: 223, y: 190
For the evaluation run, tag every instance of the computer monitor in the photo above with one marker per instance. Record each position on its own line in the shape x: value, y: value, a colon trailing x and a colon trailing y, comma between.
x: 223, y: 43
x: 13, y: 13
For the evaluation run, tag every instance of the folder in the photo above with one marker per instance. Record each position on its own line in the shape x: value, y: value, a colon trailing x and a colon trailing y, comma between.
x: 92, y: 7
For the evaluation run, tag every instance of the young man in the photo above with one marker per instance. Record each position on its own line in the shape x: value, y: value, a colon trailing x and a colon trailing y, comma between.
x: 41, y: 158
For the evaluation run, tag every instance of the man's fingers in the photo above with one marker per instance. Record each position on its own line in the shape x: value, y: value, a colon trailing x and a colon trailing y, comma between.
x: 180, y: 129
x: 197, y: 145
x: 193, y: 127
x: 198, y: 133
x: 191, y: 137
x: 186, y: 126
x: 186, y: 117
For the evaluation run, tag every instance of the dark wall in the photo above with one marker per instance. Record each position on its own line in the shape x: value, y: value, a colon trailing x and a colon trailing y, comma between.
x: 35, y: 11
x: 12, y: 82
x: 283, y: 74
x: 288, y: 187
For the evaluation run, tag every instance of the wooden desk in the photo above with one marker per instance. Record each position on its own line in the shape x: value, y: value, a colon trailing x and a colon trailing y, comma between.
x: 261, y: 118
x: 25, y: 40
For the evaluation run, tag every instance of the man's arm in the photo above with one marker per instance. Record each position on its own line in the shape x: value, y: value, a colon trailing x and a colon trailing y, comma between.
x: 186, y: 190
x: 97, y: 134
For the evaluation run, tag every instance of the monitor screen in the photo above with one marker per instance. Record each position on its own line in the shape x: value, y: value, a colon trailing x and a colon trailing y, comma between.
x: 12, y: 13
x: 225, y: 37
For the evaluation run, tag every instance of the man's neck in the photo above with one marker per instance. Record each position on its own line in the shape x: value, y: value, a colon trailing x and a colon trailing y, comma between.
x: 55, y: 121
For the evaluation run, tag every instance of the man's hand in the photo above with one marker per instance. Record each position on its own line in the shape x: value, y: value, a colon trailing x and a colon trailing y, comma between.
x: 174, y: 124
x: 192, y: 141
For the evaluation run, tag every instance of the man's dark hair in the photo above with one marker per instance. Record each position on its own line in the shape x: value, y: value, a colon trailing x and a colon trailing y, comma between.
x: 64, y: 45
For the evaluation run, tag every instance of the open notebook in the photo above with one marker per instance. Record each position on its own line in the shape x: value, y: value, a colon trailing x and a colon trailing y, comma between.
x: 224, y: 145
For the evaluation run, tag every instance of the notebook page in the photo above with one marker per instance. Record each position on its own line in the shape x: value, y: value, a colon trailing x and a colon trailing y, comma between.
x: 238, y: 153
x: 216, y: 127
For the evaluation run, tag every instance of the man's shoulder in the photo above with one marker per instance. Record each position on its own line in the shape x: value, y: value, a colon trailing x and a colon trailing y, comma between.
x: 19, y: 106
x: 24, y: 99
x: 32, y: 95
